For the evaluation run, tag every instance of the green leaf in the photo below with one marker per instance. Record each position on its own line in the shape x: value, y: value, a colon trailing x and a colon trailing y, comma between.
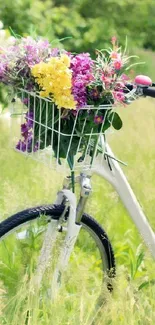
x: 116, y: 121
x: 140, y: 259
x: 146, y: 284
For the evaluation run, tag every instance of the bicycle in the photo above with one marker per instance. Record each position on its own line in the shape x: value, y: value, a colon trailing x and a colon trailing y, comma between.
x: 66, y: 216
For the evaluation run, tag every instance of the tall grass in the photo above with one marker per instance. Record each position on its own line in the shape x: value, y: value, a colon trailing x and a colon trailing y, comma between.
x: 24, y: 183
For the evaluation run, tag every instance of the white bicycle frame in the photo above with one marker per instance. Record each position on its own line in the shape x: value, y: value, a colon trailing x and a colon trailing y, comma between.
x: 118, y: 180
x: 112, y: 172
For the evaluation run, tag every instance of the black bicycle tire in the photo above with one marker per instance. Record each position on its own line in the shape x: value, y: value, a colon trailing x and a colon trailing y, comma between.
x: 55, y: 212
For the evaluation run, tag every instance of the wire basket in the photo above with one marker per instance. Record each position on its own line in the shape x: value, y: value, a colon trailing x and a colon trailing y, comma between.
x: 59, y: 138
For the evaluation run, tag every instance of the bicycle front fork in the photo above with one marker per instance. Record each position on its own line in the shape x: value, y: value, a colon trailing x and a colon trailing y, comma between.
x: 73, y: 228
x: 73, y: 225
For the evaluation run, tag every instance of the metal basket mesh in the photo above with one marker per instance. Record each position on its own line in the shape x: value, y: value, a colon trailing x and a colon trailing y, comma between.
x: 47, y: 135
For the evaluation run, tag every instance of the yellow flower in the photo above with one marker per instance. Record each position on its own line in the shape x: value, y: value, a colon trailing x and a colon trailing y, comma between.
x: 55, y: 80
x: 66, y: 60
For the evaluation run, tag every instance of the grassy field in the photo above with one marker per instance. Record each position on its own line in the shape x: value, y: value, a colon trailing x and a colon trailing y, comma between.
x: 24, y: 183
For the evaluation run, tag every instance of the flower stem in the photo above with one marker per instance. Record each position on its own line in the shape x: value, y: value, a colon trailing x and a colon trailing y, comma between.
x: 73, y: 180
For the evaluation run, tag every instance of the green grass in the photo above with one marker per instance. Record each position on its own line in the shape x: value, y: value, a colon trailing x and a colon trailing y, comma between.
x: 25, y: 183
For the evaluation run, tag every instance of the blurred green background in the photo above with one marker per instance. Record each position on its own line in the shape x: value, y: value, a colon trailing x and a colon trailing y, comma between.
x: 84, y: 25
x: 90, y: 23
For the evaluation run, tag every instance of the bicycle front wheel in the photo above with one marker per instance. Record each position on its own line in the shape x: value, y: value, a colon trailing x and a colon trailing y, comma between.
x: 22, y: 235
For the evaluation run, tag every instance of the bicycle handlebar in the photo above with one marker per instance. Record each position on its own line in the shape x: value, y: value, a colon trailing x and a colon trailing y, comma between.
x: 141, y: 89
x: 149, y: 92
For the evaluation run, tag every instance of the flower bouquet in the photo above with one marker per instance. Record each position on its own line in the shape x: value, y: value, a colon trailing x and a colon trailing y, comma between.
x: 69, y: 99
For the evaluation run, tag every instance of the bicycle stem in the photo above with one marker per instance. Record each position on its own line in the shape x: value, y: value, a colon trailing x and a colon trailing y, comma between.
x: 86, y: 190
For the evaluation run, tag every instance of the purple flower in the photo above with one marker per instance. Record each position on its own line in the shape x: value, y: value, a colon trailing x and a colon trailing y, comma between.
x: 36, y: 147
x: 29, y: 119
x: 98, y: 119
x: 26, y: 131
x: 25, y: 101
x: 74, y: 112
x: 94, y: 94
x: 24, y: 128
x: 29, y: 115
x: 55, y: 52
x: 32, y: 147
x: 26, y: 135
x: 43, y: 44
x: 26, y: 146
x: 30, y: 86
x: 3, y: 67
x: 20, y: 57
x: 35, y: 51
x: 21, y: 145
x: 81, y: 66
x: 29, y: 144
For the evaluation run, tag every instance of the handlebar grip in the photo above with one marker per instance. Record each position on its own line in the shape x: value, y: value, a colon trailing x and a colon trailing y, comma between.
x: 149, y: 92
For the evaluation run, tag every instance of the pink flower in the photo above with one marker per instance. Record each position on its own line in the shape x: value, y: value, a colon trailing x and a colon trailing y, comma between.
x: 124, y: 77
x: 119, y: 85
x: 117, y: 64
x: 119, y: 96
x: 107, y: 81
x: 114, y: 55
x: 113, y: 40
x: 98, y: 119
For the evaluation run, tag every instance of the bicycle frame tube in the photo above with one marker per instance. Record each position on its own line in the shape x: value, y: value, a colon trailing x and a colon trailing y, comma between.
x: 116, y: 177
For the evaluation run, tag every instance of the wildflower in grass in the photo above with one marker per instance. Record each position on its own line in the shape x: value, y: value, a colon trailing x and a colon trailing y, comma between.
x: 98, y: 119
